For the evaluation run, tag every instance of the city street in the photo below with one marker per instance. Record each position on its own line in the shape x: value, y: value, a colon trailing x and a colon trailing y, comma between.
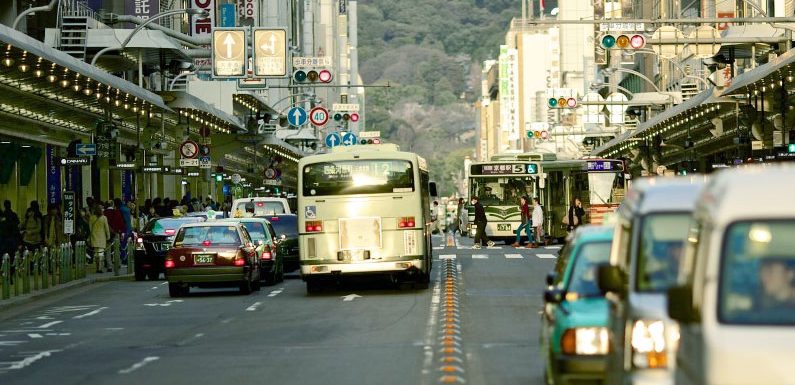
x: 360, y: 333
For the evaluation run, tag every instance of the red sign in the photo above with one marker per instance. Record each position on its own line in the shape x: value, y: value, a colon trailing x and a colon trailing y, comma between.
x: 318, y: 116
x: 724, y: 15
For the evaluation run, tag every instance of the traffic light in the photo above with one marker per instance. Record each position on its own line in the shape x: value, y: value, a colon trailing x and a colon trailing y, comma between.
x: 337, y: 117
x: 354, y: 117
x: 312, y: 76
x: 346, y: 116
x: 219, y: 177
x: 623, y: 41
x: 791, y: 148
x: 562, y: 102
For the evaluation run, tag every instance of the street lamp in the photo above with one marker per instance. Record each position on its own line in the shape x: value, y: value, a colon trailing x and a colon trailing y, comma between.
x: 190, y: 11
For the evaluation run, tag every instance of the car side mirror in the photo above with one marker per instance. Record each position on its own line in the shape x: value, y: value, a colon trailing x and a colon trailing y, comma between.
x: 680, y: 304
x: 553, y: 296
x: 611, y: 279
x: 551, y: 278
x: 432, y: 188
x: 282, y: 237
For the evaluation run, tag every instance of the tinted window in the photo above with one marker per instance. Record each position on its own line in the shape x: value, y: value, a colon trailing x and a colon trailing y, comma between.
x: 287, y: 225
x: 260, y: 208
x: 582, y: 280
x: 207, y: 235
x: 660, y: 250
x: 256, y: 230
x: 169, y: 226
x: 757, y: 284
x: 358, y: 177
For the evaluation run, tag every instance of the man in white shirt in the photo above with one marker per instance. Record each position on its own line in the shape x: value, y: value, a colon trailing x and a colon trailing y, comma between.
x: 538, y: 222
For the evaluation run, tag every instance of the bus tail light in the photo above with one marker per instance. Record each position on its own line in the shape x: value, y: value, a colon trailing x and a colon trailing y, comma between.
x: 406, y: 222
x: 314, y: 226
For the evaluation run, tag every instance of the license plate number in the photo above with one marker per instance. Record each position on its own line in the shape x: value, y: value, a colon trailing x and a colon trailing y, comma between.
x: 203, y: 259
x: 504, y: 227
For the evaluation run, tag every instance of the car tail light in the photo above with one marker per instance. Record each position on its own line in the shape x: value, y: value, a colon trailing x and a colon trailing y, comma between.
x: 170, y: 264
x: 170, y: 232
x: 260, y: 204
x: 266, y: 255
x: 207, y: 243
x: 406, y: 222
x: 240, y: 262
x: 275, y: 219
x: 314, y: 226
x: 139, y: 244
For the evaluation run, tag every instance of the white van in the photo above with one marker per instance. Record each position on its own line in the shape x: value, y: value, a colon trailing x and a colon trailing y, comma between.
x: 262, y: 206
x: 650, y: 231
x: 736, y: 302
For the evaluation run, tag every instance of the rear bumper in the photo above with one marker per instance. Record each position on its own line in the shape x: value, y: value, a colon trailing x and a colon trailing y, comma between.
x: 150, y: 261
x: 320, y: 269
x: 570, y: 368
x: 207, y: 274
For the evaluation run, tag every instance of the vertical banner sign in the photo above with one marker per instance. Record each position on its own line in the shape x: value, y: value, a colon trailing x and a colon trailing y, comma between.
x: 69, y: 212
x: 126, y: 185
x: 228, y: 15
x: 200, y: 27
x: 247, y: 12
x: 142, y: 8
x: 53, y: 176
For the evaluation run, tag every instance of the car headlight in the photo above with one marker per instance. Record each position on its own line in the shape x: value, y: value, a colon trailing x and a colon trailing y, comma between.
x: 585, y: 341
x: 648, y: 344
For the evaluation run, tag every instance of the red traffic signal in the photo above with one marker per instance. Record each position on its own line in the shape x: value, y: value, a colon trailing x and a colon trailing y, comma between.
x: 354, y: 117
x: 324, y: 76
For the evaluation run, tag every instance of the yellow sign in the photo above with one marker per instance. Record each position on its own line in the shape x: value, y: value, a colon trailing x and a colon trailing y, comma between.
x: 270, y: 52
x: 229, y: 52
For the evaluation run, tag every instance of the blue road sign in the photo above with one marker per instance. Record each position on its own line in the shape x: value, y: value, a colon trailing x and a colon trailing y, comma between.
x: 297, y: 116
x: 85, y: 149
x: 348, y: 139
x: 333, y: 140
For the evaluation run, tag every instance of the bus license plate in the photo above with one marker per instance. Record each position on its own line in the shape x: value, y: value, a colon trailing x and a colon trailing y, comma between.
x: 203, y: 259
x: 504, y: 227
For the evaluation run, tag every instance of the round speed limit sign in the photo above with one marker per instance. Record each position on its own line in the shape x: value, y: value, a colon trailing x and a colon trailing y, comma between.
x: 318, y: 116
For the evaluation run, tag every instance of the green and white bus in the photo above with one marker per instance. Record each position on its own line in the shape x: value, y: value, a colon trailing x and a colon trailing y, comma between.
x: 364, y: 210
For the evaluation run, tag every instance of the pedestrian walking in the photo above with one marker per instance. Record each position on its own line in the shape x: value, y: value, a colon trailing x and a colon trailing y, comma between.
x: 435, y: 218
x: 527, y: 223
x: 53, y: 227
x: 32, y: 227
x: 538, y: 223
x: 9, y: 230
x: 127, y: 228
x: 100, y: 236
x: 480, y: 224
x: 573, y: 218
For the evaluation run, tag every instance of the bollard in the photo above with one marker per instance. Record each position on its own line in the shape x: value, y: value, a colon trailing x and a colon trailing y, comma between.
x: 16, y: 273
x: 68, y: 262
x: 45, y: 268
x: 35, y: 260
x: 116, y: 255
x: 62, y: 264
x: 53, y: 266
x: 83, y: 258
x: 130, y: 256
x: 6, y: 269
x: 25, y: 268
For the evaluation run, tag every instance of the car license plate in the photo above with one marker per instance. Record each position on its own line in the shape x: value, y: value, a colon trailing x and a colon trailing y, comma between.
x: 165, y: 245
x: 504, y: 227
x: 203, y: 259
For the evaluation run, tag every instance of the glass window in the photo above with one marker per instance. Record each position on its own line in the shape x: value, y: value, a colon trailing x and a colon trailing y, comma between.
x: 260, y: 208
x: 358, y: 177
x: 660, y: 250
x: 168, y: 226
x: 204, y: 235
x: 502, y: 191
x: 757, y: 284
x: 286, y: 224
x: 583, y: 278
x: 256, y: 231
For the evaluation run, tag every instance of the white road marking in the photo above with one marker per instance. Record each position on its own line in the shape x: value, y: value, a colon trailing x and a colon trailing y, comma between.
x: 480, y: 256
x: 44, y: 317
x: 11, y: 343
x: 254, y: 306
x: 494, y: 247
x: 66, y: 309
x: 438, y: 247
x: 546, y: 256
x: 59, y: 334
x: 228, y: 320
x: 275, y: 292
x: 138, y: 365
x: 430, y: 327
x: 350, y: 297
x: 114, y: 329
x: 514, y: 256
x: 89, y: 314
x: 447, y: 256
x: 190, y: 339
x: 35, y: 335
x: 154, y: 288
x: 47, y: 325
x: 164, y: 283
x: 167, y: 303
x: 552, y: 247
x: 27, y: 361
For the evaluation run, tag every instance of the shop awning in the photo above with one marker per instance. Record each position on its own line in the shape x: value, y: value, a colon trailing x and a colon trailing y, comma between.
x: 181, y: 100
x: 749, y: 79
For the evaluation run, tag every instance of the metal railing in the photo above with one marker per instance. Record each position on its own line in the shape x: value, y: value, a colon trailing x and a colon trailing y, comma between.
x: 44, y: 268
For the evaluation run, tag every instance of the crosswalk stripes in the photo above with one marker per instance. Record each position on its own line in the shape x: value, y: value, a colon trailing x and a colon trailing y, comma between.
x: 514, y: 256
x: 553, y: 247
x: 546, y: 256
x: 447, y: 256
x: 480, y: 256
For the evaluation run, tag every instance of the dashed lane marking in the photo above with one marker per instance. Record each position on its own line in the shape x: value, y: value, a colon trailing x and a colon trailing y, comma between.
x: 89, y: 314
x: 48, y: 324
x: 275, y: 292
x: 514, y: 256
x: 34, y: 335
x: 480, y: 256
x: 546, y: 256
x: 138, y: 365
x: 438, y: 247
x: 447, y: 256
x: 254, y: 306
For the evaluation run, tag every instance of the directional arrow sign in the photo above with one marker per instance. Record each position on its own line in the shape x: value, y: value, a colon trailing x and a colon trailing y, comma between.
x: 297, y: 116
x: 85, y: 149
x: 350, y: 297
x: 348, y: 139
x: 270, y: 52
x: 229, y: 52
x: 333, y: 140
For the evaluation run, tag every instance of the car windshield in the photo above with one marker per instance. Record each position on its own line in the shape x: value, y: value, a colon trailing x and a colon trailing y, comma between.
x: 757, y: 284
x: 660, y: 250
x: 286, y: 225
x: 168, y: 226
x: 582, y: 280
x: 260, y: 208
x: 207, y: 236
x: 257, y: 231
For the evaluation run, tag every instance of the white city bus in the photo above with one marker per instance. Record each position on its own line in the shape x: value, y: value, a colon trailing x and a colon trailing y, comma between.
x: 364, y: 209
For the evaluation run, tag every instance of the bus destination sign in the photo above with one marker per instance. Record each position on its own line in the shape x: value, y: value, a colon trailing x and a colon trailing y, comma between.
x: 504, y: 169
x: 605, y: 165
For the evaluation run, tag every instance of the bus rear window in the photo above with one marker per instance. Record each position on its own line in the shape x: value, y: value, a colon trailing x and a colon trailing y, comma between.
x: 358, y: 177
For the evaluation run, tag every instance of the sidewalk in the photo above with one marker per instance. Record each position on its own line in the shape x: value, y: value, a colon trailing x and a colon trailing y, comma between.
x: 88, y: 280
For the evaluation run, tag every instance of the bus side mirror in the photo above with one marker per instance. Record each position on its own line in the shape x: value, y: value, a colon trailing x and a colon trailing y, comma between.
x: 610, y: 279
x: 432, y: 188
x: 680, y: 304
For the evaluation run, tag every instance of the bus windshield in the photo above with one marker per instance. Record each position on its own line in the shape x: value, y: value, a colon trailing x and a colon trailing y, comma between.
x: 501, y: 191
x: 367, y: 176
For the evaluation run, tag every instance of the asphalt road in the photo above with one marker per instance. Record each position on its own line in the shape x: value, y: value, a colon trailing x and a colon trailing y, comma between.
x: 477, y: 324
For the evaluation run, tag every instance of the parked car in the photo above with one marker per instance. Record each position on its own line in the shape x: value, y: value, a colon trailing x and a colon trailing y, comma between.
x: 271, y: 261
x: 286, y: 227
x: 735, y: 303
x: 212, y: 254
x: 574, y: 334
x: 650, y: 231
x: 153, y: 242
x: 259, y: 206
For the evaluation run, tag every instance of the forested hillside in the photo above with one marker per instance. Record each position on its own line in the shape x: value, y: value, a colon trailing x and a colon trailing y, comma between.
x: 430, y: 52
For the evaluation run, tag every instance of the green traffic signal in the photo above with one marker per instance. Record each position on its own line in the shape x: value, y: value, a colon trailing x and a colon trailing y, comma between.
x: 552, y: 102
x: 300, y: 76
x: 791, y: 148
x: 219, y: 177
x: 608, y: 41
x: 337, y: 117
